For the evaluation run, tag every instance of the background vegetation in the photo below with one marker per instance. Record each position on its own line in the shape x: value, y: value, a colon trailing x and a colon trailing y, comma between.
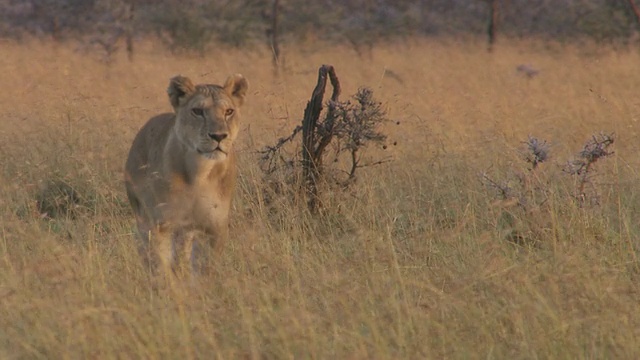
x: 480, y: 238
x: 192, y: 24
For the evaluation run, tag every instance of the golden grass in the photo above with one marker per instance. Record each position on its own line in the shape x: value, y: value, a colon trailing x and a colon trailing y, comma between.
x: 414, y: 263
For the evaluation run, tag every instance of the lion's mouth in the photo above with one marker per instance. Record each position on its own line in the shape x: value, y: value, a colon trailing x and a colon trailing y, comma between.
x: 212, y: 153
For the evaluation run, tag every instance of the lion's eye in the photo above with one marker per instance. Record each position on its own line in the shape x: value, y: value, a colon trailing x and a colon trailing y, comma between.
x: 228, y: 112
x: 197, y: 111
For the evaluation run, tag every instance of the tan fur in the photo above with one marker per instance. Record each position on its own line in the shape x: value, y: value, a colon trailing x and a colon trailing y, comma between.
x: 181, y: 172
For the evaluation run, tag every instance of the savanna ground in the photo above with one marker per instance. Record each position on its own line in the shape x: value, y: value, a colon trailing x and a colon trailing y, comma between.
x: 420, y: 260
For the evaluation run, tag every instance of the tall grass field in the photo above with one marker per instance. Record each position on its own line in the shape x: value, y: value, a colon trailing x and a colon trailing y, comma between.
x: 457, y: 248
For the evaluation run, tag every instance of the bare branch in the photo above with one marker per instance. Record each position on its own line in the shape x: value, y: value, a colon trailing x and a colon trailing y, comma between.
x: 349, y: 126
x: 595, y: 149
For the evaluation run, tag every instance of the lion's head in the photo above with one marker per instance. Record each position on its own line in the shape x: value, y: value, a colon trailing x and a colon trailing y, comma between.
x: 207, y: 116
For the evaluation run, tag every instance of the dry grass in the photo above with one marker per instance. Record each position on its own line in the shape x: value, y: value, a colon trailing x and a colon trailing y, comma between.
x: 412, y: 264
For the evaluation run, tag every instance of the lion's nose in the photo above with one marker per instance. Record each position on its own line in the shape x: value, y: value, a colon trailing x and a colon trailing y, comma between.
x: 218, y: 136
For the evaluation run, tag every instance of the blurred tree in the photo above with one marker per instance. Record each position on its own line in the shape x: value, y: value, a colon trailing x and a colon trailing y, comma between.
x: 113, y: 23
x: 635, y: 9
x: 273, y: 32
x: 493, y: 22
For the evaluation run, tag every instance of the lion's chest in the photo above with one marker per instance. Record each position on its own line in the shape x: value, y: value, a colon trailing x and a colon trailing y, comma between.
x: 199, y: 205
x: 209, y: 204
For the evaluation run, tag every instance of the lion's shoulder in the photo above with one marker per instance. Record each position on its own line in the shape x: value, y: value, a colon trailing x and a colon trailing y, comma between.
x: 149, y: 141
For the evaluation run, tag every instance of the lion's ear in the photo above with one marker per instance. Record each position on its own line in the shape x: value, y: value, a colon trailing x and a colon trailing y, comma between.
x: 236, y: 86
x: 180, y: 88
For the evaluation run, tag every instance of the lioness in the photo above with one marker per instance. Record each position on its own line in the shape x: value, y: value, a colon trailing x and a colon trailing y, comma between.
x: 180, y: 174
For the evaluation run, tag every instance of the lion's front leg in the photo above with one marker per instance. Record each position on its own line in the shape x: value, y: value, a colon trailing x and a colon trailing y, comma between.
x: 207, y: 245
x: 142, y: 242
x: 188, y: 250
x: 217, y: 234
x: 161, y: 249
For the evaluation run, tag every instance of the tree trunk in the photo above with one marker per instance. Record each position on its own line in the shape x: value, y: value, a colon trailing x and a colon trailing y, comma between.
x: 493, y: 23
x: 273, y: 34
x: 312, y: 145
x: 128, y: 32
